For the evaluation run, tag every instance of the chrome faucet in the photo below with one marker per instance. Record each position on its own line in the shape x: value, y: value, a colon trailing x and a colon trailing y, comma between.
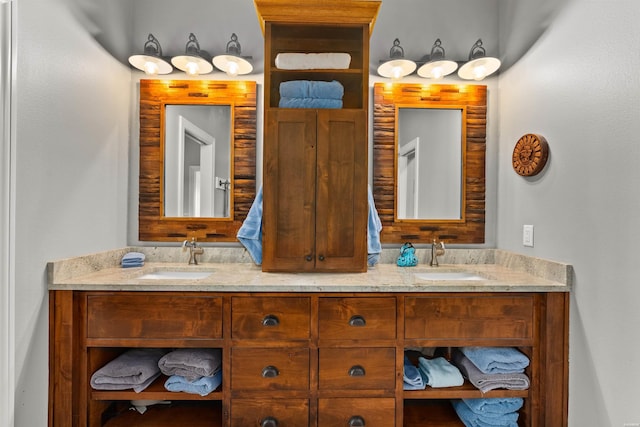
x: 437, y: 249
x: 194, y: 250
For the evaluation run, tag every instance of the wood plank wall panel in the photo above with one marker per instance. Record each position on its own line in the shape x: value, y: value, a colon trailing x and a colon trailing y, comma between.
x: 470, y: 229
x: 154, y: 95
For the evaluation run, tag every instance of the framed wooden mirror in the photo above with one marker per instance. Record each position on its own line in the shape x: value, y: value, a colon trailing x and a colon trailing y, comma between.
x: 238, y: 100
x: 467, y: 104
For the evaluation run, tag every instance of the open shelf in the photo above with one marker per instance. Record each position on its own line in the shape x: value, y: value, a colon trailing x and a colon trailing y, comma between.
x: 192, y: 414
x: 431, y: 413
x: 466, y: 391
x: 156, y: 391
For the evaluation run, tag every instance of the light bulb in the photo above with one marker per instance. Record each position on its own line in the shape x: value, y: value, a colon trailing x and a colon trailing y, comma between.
x: 479, y: 72
x: 436, y: 73
x: 232, y: 68
x: 151, y: 68
x: 191, y: 68
x: 396, y: 73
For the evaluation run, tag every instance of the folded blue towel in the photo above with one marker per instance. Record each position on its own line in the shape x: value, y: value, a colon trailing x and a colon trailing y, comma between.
x: 439, y: 372
x: 412, y: 380
x: 132, y: 259
x: 374, y: 227
x: 471, y: 419
x: 494, y: 406
x: 135, y: 369
x: 309, y: 103
x: 496, y: 360
x: 312, y: 89
x: 250, y: 232
x: 201, y: 386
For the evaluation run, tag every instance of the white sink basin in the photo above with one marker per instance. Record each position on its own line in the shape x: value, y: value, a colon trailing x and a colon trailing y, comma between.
x: 448, y: 275
x: 176, y: 275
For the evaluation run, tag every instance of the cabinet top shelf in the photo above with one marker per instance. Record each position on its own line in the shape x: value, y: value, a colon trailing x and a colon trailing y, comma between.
x: 318, y: 12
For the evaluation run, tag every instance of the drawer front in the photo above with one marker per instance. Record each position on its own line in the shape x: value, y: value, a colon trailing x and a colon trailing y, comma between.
x: 270, y: 413
x: 357, y: 318
x: 469, y: 317
x: 341, y: 412
x: 357, y: 368
x: 270, y: 317
x: 154, y: 316
x: 270, y: 369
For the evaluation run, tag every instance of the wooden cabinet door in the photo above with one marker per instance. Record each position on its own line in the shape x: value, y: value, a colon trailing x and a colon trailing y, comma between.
x: 341, y: 195
x: 289, y: 190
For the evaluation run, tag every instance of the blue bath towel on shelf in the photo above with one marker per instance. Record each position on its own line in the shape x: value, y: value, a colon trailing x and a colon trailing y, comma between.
x: 494, y: 406
x: 439, y: 372
x: 132, y: 259
x: 309, y: 103
x: 471, y: 419
x: 412, y: 380
x: 496, y: 360
x: 202, y: 386
x: 312, y: 89
x: 374, y: 227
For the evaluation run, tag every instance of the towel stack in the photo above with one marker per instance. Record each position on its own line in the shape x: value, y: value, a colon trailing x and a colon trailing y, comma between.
x: 498, y: 412
x: 434, y: 372
x: 192, y: 370
x: 133, y: 259
x: 489, y: 368
x: 135, y: 369
x: 412, y: 379
x: 311, y: 94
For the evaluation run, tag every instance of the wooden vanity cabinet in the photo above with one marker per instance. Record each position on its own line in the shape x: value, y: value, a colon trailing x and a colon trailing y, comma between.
x: 302, y: 359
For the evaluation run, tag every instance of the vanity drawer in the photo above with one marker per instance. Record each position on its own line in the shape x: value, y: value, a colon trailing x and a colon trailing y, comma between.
x: 357, y: 368
x: 283, y: 412
x: 149, y: 316
x: 469, y: 317
x: 270, y: 368
x: 357, y: 318
x: 270, y: 317
x: 341, y: 412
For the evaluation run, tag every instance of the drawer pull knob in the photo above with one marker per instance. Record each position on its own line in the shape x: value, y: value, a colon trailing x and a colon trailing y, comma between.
x: 269, y: 422
x: 270, y: 372
x: 309, y: 257
x: 356, y: 371
x: 321, y: 257
x: 270, y: 320
x: 356, y: 421
x: 357, y: 320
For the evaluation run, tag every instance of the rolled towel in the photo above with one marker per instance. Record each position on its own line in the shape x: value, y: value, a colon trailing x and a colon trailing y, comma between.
x: 495, y: 406
x: 439, y: 372
x: 471, y: 419
x: 412, y: 380
x: 135, y: 369
x: 132, y: 259
x: 486, y: 382
x: 202, y: 386
x: 309, y: 103
x: 496, y: 360
x: 191, y: 363
x: 312, y: 89
x: 313, y: 61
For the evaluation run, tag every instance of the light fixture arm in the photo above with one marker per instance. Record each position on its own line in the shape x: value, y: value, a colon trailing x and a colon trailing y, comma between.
x: 396, y: 51
x: 477, y: 51
x: 233, y: 46
x: 152, y: 46
x: 192, y: 47
x: 437, y: 51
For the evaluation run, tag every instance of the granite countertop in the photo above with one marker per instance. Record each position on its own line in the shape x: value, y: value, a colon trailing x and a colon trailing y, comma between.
x: 232, y: 271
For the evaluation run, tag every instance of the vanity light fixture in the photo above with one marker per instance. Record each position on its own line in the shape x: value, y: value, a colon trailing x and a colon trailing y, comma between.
x: 232, y: 62
x: 151, y: 61
x: 193, y: 62
x: 479, y: 65
x: 437, y: 66
x: 396, y: 67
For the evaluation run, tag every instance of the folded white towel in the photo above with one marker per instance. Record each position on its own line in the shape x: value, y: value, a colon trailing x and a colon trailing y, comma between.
x: 313, y: 61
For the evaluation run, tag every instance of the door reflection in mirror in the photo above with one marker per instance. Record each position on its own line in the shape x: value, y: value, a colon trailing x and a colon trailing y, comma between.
x: 429, y: 163
x: 197, y: 157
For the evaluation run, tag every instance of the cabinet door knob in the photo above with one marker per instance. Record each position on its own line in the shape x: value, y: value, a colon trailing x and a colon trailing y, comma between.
x: 356, y: 371
x: 309, y: 258
x: 357, y: 320
x: 321, y: 257
x: 356, y: 421
x: 269, y: 422
x: 270, y: 320
x: 270, y: 372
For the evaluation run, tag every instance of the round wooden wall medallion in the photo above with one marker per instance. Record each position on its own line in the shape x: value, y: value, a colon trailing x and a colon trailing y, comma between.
x: 530, y: 154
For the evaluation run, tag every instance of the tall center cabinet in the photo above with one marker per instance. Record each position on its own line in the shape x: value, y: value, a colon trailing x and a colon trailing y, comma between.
x: 315, y: 159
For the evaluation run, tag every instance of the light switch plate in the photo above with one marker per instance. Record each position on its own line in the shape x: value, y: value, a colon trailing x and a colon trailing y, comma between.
x: 527, y: 235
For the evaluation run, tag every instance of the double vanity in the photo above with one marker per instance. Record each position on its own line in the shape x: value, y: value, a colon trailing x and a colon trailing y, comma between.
x: 323, y: 367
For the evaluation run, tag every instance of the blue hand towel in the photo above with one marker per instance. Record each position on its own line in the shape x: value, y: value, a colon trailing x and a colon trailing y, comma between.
x: 202, y: 386
x: 471, y: 419
x: 439, y: 372
x: 250, y: 232
x: 412, y: 380
x: 309, y: 103
x: 312, y: 89
x: 496, y: 360
x: 132, y: 259
x: 494, y: 406
x: 374, y: 227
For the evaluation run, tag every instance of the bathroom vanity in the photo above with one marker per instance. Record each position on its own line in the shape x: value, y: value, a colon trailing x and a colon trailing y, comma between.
x: 306, y: 349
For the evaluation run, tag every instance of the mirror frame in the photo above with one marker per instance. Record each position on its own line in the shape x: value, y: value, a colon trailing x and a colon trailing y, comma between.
x: 154, y: 96
x: 472, y: 99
